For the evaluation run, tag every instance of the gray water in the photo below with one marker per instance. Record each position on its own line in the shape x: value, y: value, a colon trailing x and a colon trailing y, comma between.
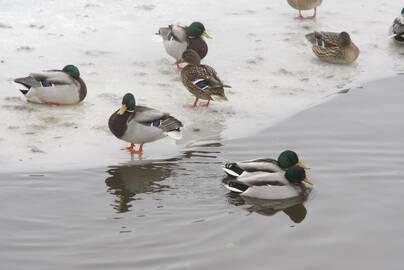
x: 176, y: 214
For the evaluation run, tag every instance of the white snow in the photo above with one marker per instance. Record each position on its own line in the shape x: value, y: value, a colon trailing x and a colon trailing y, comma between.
x: 257, y: 47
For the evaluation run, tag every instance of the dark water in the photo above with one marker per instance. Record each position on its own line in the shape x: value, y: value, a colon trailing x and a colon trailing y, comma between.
x: 175, y: 214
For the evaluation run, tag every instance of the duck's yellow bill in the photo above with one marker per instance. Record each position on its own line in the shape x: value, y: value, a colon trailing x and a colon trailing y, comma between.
x: 302, y: 165
x: 205, y: 34
x: 122, y: 110
x: 308, y: 181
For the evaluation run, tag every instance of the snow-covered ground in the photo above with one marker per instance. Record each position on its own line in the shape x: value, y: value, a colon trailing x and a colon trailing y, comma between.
x: 257, y: 47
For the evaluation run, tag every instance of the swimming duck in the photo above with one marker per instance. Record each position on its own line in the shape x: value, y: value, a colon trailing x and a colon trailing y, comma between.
x: 177, y: 39
x: 285, y: 160
x: 272, y: 186
x: 336, y: 48
x: 397, y: 29
x: 201, y: 80
x: 54, y: 86
x: 139, y: 124
x: 305, y: 5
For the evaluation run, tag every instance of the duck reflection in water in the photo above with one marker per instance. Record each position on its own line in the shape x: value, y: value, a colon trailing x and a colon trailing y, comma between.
x: 292, y: 207
x: 127, y: 181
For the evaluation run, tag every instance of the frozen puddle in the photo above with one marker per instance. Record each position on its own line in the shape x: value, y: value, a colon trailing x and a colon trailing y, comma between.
x: 257, y: 48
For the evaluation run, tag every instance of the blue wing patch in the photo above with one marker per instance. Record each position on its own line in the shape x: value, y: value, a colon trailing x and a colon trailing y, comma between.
x: 156, y: 123
x: 320, y: 42
x: 46, y: 83
x: 170, y: 36
x: 201, y: 84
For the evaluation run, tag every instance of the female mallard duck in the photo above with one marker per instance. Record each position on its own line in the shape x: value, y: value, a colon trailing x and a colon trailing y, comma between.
x: 54, y: 86
x: 305, y: 5
x: 201, y: 80
x: 336, y: 48
x: 285, y: 160
x: 177, y: 39
x: 139, y: 124
x: 397, y: 29
x: 272, y: 186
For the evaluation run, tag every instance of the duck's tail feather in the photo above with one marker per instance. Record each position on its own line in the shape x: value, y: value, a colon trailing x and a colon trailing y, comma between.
x: 311, y: 38
x: 236, y: 186
x: 172, y: 126
x: 232, y: 169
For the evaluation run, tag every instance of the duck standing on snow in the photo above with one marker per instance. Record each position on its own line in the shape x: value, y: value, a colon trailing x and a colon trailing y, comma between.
x: 54, y: 86
x: 139, y: 124
x: 272, y: 186
x: 177, y: 39
x: 285, y: 160
x: 305, y: 5
x: 397, y: 29
x: 201, y: 80
x: 336, y: 48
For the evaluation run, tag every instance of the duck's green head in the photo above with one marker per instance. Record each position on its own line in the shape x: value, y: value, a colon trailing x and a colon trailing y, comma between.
x: 128, y: 104
x: 72, y: 70
x: 288, y: 159
x: 191, y: 57
x: 297, y: 175
x: 402, y: 11
x: 197, y: 29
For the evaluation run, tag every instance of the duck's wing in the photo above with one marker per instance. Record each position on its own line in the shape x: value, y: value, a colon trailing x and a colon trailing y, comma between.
x: 145, y: 114
x: 263, y: 164
x: 56, y: 77
x: 328, y: 52
x: 155, y: 118
x: 323, y: 39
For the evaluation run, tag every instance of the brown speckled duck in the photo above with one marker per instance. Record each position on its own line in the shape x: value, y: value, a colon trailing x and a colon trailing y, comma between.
x: 336, y: 48
x: 177, y: 39
x: 201, y: 80
x: 305, y: 5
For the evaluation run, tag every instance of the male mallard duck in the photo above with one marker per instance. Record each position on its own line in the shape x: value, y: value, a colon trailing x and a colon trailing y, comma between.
x: 305, y: 5
x: 54, y: 86
x: 177, y: 39
x: 285, y: 160
x: 336, y: 48
x: 272, y: 186
x: 397, y: 29
x: 201, y: 80
x: 139, y: 124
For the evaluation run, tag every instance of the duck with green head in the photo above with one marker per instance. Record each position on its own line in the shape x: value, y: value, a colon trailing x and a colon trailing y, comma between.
x: 397, y: 28
x: 335, y: 48
x: 285, y: 160
x: 54, y: 86
x: 201, y: 80
x: 272, y: 186
x: 137, y: 124
x: 177, y: 39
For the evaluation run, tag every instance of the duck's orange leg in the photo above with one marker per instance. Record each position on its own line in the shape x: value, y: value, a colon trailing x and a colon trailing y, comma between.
x: 206, y: 104
x: 132, y: 149
x: 193, y: 105
x: 300, y: 17
x: 314, y: 15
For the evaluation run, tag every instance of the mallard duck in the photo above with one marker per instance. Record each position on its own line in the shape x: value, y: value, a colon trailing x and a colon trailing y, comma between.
x: 177, y: 39
x: 54, y: 86
x: 272, y: 186
x: 201, y: 80
x: 397, y: 29
x: 139, y: 124
x: 305, y: 5
x: 336, y: 48
x: 285, y: 160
